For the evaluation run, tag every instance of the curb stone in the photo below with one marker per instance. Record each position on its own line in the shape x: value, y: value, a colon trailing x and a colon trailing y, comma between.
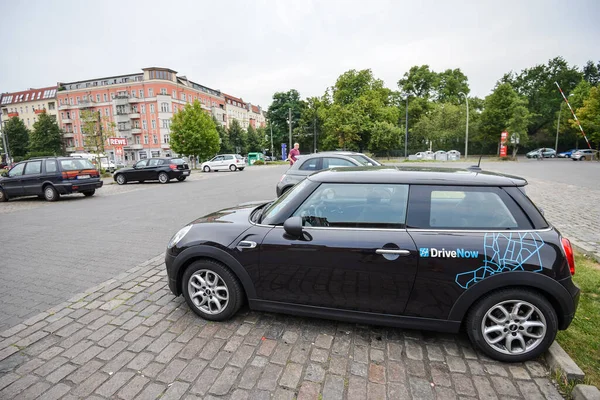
x: 559, y: 361
x: 586, y: 392
x: 585, y: 249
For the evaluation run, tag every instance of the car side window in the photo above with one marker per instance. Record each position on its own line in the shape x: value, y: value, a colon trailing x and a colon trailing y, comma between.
x: 17, y: 170
x: 310, y: 165
x: 50, y: 166
x: 33, y: 168
x: 356, y: 206
x: 332, y: 162
x: 153, y: 163
x: 228, y: 157
x: 444, y: 207
x: 141, y: 164
x: 220, y: 158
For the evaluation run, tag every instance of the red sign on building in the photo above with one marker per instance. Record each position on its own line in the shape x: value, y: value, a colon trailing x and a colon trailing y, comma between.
x: 117, y: 141
x: 503, y: 147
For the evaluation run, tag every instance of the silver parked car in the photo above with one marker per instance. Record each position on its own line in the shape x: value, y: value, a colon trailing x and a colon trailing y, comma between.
x: 306, y: 165
x: 584, y: 154
x: 221, y: 162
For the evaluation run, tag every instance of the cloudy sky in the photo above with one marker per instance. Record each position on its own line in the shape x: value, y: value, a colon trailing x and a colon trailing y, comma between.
x: 252, y: 49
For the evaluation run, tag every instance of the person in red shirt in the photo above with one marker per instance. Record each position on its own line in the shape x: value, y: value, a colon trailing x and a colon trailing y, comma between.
x: 294, y: 153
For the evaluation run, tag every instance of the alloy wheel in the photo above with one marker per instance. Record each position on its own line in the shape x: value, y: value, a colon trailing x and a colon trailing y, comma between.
x: 208, y: 291
x: 514, y: 327
x: 163, y: 178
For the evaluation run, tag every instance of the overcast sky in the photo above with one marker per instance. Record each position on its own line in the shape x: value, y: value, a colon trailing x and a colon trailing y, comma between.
x: 252, y: 49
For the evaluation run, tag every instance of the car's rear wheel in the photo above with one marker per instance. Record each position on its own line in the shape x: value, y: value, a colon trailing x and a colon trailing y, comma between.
x: 121, y: 180
x: 89, y: 193
x: 181, y: 178
x: 553, y: 155
x: 50, y: 193
x: 512, y: 325
x: 211, y: 290
x: 3, y: 197
x: 582, y: 158
x: 163, y: 177
x: 206, y: 168
x: 232, y: 167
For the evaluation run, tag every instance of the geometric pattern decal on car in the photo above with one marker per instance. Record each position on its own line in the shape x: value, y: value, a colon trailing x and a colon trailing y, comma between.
x: 520, y: 248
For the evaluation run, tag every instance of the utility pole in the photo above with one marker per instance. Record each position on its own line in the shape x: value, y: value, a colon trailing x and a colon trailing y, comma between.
x: 406, y: 134
x: 4, y: 142
x: 467, y: 130
x: 271, y: 125
x: 290, y: 124
x: 315, y: 134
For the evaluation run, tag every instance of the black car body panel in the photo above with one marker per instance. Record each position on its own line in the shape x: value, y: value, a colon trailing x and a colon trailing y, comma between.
x: 427, y: 271
x: 149, y: 169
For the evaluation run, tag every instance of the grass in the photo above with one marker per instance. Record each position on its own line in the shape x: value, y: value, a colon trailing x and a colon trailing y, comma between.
x: 581, y: 341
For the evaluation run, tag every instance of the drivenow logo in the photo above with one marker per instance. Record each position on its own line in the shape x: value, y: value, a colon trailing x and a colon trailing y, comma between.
x: 443, y: 253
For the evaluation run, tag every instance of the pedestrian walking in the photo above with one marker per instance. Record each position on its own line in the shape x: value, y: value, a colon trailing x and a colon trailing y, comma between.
x: 293, y: 155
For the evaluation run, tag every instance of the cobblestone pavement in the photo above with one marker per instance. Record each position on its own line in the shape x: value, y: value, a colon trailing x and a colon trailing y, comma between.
x: 130, y: 338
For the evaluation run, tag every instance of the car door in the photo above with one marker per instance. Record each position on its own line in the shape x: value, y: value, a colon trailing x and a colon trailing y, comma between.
x: 32, y: 178
x: 151, y: 169
x: 138, y: 173
x: 13, y: 183
x: 217, y: 163
x: 355, y: 254
x: 463, y: 235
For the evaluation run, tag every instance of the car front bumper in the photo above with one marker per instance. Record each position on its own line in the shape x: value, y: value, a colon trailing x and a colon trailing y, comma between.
x: 172, y: 273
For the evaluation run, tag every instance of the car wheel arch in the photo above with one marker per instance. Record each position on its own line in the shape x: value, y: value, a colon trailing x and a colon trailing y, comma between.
x: 196, y: 253
x: 554, y: 292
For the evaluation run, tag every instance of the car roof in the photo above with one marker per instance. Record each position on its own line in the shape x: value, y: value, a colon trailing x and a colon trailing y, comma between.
x: 416, y: 175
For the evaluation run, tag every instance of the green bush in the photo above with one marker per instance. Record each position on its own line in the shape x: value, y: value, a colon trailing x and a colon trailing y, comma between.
x: 259, y: 162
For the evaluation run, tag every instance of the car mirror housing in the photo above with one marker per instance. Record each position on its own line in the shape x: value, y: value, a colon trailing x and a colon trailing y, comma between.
x: 293, y: 226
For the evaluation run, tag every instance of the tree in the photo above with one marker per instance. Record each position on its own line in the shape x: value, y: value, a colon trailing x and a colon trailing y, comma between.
x: 517, y: 124
x: 419, y: 81
x: 254, y: 142
x: 279, y: 110
x: 450, y: 83
x: 443, y: 127
x: 589, y: 116
x: 237, y: 137
x: 591, y: 73
x: 225, y: 145
x: 17, y: 136
x: 311, y: 122
x: 384, y: 138
x: 46, y: 138
x: 193, y: 132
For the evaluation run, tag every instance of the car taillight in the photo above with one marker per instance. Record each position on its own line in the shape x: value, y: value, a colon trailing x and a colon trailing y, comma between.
x: 237, y: 161
x: 173, y: 166
x: 566, y: 244
x: 65, y: 175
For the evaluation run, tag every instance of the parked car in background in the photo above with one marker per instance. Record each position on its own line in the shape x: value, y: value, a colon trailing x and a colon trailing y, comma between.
x: 222, y: 162
x: 584, y: 154
x: 546, y: 153
x: 418, y: 248
x: 49, y: 178
x: 566, y: 154
x: 308, y: 164
x: 152, y: 169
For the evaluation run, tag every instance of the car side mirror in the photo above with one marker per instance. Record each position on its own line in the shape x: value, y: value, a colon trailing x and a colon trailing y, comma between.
x: 5, y: 174
x: 293, y: 226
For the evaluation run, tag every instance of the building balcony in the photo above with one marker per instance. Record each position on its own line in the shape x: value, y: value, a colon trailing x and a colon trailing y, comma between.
x: 134, y: 115
x: 66, y: 120
x: 165, y: 146
x: 13, y: 114
x: 136, y: 146
x: 136, y: 131
x: 86, y: 104
x: 68, y: 135
x: 70, y: 149
x: 64, y: 107
x: 134, y: 100
x: 42, y: 111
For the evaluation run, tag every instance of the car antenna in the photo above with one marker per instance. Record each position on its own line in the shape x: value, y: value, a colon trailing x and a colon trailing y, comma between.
x: 476, y: 167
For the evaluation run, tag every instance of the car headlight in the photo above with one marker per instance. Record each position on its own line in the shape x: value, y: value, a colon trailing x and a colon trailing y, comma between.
x: 178, y: 236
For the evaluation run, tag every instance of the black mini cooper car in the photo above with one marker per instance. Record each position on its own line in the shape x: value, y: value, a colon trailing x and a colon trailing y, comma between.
x: 421, y: 248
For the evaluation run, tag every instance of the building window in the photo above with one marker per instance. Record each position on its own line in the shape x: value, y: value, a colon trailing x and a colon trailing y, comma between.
x: 183, y: 96
x: 143, y: 108
x: 145, y: 139
x: 164, y: 107
x: 153, y: 124
x: 155, y: 139
x: 105, y: 97
x: 97, y: 98
x: 74, y: 128
x: 175, y: 109
x: 151, y: 108
x: 106, y: 111
x: 166, y: 123
x: 145, y: 124
x: 27, y: 109
x: 141, y: 93
x: 77, y: 102
x: 137, y: 139
x: 112, y: 96
x: 133, y: 93
x: 62, y: 115
x: 166, y: 138
x: 174, y: 93
x: 150, y: 92
x: 76, y: 142
x: 163, y: 91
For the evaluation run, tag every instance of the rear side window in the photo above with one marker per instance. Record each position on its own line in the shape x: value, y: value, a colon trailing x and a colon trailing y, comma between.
x: 310, y: 165
x: 446, y: 207
x: 153, y: 162
x: 332, y: 162
x: 33, y: 168
x: 50, y: 166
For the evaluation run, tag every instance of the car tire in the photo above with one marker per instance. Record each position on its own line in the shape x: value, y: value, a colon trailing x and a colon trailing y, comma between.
x: 553, y: 156
x: 232, y: 168
x: 121, y: 180
x: 3, y: 197
x: 197, y: 279
x: 50, y: 193
x: 241, y: 169
x: 496, y: 309
x: 582, y: 158
x: 181, y: 178
x: 163, y: 177
x: 89, y: 193
x: 206, y: 168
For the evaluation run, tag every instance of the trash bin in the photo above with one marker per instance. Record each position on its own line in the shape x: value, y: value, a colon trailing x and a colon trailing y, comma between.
x: 252, y: 157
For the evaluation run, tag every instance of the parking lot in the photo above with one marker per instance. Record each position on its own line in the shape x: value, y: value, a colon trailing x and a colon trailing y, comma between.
x: 131, y: 329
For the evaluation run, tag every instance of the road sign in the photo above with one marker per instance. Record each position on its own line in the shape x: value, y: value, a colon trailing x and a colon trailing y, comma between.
x: 503, y: 137
x: 283, y: 151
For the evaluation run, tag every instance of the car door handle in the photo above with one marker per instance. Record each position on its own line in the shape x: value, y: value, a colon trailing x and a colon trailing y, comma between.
x: 393, y: 251
x: 246, y: 244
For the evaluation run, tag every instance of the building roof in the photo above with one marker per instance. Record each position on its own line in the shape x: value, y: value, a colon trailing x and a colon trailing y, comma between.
x: 29, y: 95
x: 255, y: 110
x: 230, y: 97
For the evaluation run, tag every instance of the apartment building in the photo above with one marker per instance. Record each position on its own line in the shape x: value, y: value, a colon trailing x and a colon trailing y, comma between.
x: 138, y: 107
x: 28, y: 105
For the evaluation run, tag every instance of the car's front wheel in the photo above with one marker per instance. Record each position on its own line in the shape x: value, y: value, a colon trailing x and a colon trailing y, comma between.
x: 121, y: 180
x: 3, y: 197
x: 163, y: 177
x: 206, y: 168
x: 512, y: 325
x: 582, y: 158
x: 211, y: 290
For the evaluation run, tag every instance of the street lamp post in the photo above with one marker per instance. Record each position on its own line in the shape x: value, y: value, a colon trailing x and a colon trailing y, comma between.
x: 406, y: 133
x: 467, y: 129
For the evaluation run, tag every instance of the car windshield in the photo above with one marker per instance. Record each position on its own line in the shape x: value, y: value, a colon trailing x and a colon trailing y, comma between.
x: 364, y: 160
x: 177, y: 161
x: 272, y: 209
x: 76, y: 164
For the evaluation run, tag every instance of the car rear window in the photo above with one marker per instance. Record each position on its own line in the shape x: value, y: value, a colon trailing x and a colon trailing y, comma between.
x: 364, y: 160
x: 76, y: 164
x: 239, y: 157
x: 178, y: 161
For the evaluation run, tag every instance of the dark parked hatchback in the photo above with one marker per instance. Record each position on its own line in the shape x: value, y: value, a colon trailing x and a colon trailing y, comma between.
x: 152, y: 169
x: 420, y: 248
x: 49, y: 178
